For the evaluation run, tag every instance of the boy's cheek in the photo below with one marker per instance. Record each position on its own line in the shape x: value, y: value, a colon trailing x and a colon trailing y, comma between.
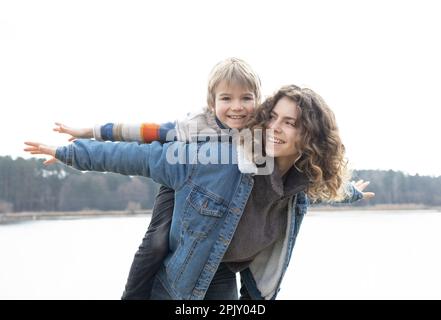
x: 220, y: 111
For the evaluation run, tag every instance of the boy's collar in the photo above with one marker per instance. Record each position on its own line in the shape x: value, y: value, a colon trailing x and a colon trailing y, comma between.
x: 220, y: 124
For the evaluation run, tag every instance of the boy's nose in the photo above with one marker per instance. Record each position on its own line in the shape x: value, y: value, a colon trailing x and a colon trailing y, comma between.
x: 236, y: 105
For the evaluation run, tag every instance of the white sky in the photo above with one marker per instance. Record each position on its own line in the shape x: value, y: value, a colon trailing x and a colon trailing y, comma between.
x: 376, y: 63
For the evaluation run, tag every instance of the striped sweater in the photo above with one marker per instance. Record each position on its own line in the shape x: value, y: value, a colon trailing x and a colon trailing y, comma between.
x: 202, y: 123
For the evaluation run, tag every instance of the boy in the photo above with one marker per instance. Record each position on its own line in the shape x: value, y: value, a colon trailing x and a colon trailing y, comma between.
x: 234, y: 90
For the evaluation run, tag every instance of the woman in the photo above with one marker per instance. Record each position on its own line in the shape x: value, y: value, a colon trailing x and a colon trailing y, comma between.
x: 226, y: 218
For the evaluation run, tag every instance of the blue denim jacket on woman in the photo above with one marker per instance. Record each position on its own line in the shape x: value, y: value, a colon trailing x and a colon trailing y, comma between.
x: 209, y: 202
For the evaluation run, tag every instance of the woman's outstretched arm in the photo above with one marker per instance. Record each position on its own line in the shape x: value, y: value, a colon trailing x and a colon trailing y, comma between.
x: 150, y: 160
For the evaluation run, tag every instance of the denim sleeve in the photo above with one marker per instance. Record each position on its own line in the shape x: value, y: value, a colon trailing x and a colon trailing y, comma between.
x: 148, y: 160
x: 352, y: 194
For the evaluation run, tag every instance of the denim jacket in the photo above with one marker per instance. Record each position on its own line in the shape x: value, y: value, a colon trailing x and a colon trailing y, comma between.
x: 209, y: 201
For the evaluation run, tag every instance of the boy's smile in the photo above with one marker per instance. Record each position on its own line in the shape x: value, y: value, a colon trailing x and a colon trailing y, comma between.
x: 233, y: 105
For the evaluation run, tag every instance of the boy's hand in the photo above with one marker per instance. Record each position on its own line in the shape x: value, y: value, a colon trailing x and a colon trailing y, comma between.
x: 39, y: 148
x: 361, y: 185
x: 83, y: 133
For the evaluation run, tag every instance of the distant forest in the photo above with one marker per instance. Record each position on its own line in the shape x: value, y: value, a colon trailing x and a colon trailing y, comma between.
x: 28, y: 185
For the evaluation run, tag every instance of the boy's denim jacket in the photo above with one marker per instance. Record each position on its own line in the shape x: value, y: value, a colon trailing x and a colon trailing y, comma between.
x: 209, y: 201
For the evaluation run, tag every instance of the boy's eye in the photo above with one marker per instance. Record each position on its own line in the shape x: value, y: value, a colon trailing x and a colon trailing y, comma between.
x: 248, y: 98
x: 225, y: 98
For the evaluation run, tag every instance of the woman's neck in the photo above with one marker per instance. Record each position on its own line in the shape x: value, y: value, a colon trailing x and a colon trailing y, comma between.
x: 285, y: 163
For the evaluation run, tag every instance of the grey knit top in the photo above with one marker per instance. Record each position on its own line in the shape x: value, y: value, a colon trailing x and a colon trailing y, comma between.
x: 265, y: 216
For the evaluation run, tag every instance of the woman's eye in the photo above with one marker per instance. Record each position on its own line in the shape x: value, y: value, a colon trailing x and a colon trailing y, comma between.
x: 225, y: 98
x: 292, y: 124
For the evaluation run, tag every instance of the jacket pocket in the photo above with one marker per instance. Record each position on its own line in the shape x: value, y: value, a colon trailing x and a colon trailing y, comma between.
x: 204, y: 211
x: 207, y: 203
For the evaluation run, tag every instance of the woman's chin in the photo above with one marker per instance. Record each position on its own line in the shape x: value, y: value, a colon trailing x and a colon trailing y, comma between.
x: 270, y: 152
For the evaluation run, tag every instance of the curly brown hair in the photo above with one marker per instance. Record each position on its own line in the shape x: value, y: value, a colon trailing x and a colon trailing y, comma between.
x: 322, y: 151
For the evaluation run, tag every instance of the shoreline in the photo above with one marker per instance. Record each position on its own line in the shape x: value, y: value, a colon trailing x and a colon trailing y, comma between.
x: 377, y: 207
x: 67, y: 215
x: 12, y: 217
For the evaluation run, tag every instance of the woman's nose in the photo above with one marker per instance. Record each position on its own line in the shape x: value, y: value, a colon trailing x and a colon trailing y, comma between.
x: 274, y: 125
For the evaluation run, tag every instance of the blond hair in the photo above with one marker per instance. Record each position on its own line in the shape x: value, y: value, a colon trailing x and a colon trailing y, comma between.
x: 233, y: 71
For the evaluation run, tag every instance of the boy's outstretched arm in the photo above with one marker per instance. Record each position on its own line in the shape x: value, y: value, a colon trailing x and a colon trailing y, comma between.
x: 75, y: 133
x: 149, y: 160
x: 142, y: 133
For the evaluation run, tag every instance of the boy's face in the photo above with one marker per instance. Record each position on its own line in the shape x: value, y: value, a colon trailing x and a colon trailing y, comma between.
x: 233, y: 105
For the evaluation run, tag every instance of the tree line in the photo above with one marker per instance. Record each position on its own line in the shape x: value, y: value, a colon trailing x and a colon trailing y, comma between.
x: 396, y: 187
x: 28, y: 185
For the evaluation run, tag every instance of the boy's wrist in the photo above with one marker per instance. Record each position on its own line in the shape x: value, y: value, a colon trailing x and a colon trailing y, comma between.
x: 89, y: 133
x: 96, y: 133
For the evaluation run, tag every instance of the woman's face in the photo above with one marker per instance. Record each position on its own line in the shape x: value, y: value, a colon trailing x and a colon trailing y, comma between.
x: 281, y: 140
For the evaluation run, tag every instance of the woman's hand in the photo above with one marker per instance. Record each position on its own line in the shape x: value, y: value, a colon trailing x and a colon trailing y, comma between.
x: 39, y: 148
x: 81, y: 133
x: 360, y: 185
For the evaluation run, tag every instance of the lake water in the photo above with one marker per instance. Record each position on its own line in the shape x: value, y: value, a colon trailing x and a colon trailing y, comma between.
x: 338, y: 255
